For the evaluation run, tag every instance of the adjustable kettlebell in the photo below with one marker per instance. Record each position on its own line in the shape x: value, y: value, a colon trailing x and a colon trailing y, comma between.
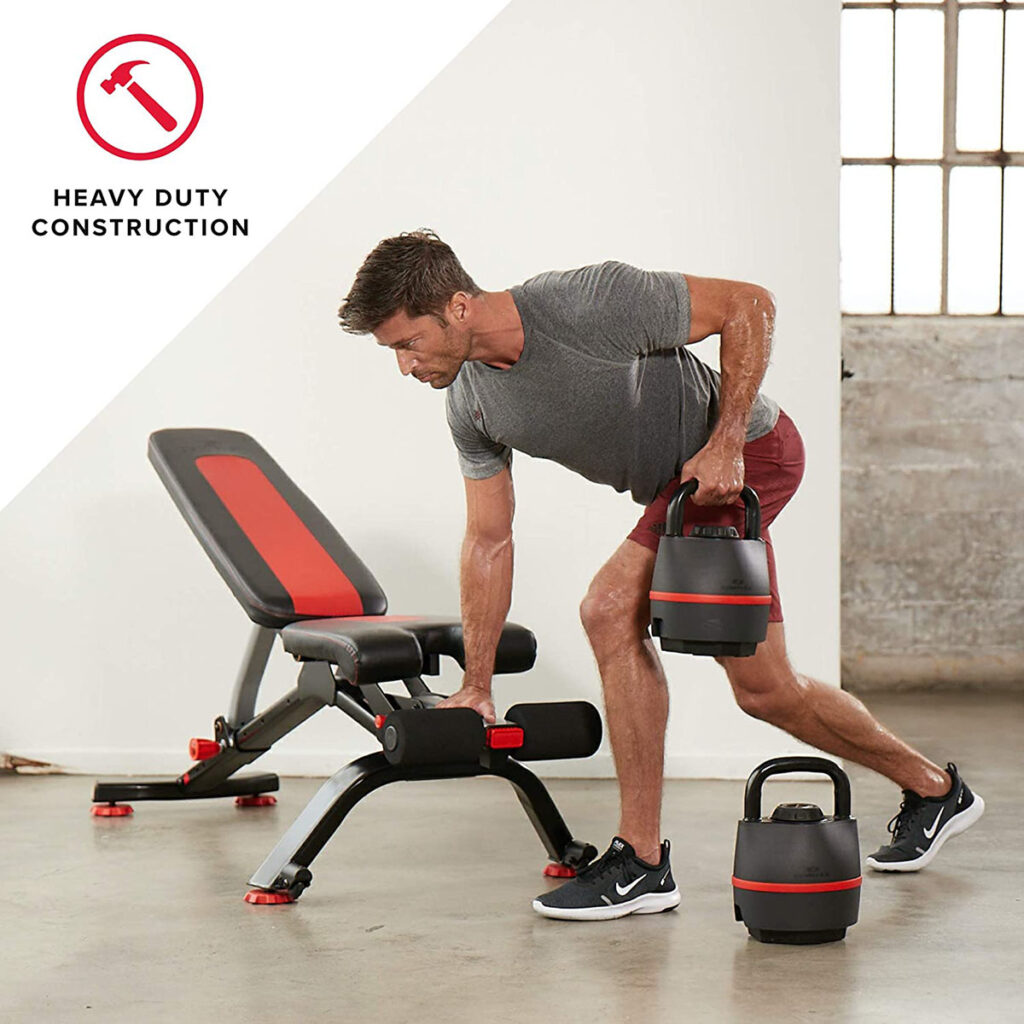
x: 796, y: 875
x: 710, y: 593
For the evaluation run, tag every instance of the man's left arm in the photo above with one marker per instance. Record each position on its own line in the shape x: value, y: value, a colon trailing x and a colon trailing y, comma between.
x: 744, y: 315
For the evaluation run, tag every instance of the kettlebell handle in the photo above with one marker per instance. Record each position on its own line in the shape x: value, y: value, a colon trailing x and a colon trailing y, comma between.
x: 784, y: 765
x: 751, y: 509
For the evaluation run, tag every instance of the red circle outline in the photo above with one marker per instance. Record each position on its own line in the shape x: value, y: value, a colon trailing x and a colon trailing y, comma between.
x: 140, y: 38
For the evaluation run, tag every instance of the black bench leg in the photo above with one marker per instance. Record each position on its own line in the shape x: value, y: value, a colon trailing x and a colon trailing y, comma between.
x: 285, y: 874
x: 543, y: 815
x: 286, y: 870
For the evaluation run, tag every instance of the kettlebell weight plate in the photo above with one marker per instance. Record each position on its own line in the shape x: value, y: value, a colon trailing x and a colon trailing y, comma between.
x: 704, y: 648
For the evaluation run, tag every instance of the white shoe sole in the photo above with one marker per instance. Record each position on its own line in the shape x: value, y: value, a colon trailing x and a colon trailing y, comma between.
x: 957, y: 824
x: 649, y: 903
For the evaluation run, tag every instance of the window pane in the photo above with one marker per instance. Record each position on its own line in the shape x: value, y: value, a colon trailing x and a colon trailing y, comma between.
x: 974, y: 240
x: 919, y: 74
x: 1013, y: 244
x: 1013, y: 123
x: 865, y: 92
x: 979, y: 75
x: 865, y: 233
x: 918, y: 283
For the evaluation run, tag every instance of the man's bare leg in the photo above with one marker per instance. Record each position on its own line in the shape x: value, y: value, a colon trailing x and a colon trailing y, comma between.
x: 615, y: 615
x: 767, y: 687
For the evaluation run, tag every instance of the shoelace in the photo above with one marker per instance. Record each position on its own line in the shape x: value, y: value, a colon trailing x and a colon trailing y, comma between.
x: 610, y: 861
x: 899, y: 824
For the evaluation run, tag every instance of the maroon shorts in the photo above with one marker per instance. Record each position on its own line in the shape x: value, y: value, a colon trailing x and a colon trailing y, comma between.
x: 774, y: 467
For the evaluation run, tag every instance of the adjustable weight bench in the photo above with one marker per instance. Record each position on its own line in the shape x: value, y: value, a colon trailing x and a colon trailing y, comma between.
x: 297, y: 578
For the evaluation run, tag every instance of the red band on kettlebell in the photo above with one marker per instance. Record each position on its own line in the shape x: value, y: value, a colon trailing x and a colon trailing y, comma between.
x: 665, y: 595
x: 846, y: 883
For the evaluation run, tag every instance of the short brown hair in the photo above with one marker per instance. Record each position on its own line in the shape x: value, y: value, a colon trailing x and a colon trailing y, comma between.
x: 414, y: 271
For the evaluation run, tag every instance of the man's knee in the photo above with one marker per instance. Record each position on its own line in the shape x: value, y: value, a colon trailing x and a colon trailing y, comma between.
x: 763, y: 687
x: 613, y: 613
x: 765, y: 705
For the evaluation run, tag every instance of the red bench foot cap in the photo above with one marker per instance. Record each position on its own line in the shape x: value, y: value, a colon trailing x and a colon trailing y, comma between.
x: 259, y: 800
x: 265, y: 897
x: 559, y: 871
x: 111, y: 810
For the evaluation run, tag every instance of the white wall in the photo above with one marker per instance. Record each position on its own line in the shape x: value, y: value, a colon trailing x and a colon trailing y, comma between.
x: 685, y: 135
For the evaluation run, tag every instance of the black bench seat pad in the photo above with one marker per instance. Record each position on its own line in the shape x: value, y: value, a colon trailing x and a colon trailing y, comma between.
x: 377, y: 648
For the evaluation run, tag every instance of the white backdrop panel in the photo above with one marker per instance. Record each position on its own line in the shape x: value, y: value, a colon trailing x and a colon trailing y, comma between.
x: 690, y: 136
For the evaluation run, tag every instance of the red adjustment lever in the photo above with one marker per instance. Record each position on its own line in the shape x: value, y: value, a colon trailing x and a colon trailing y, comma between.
x: 504, y: 737
x: 203, y: 750
x: 379, y: 721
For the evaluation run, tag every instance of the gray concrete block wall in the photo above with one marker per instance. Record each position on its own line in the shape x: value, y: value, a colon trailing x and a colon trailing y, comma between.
x: 933, y: 502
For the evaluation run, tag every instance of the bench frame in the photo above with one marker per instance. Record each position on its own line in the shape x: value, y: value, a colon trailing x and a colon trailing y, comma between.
x: 244, y: 735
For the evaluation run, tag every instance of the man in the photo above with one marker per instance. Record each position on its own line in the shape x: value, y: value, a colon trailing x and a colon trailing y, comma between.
x: 590, y: 368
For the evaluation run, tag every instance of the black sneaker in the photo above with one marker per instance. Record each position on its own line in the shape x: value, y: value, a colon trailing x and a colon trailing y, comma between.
x: 616, y: 884
x: 923, y: 824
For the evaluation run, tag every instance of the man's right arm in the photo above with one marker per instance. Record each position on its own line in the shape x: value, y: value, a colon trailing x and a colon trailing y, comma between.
x: 486, y: 573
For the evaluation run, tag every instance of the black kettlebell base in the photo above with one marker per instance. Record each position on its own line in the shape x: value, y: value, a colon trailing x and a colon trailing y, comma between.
x: 709, y: 649
x: 797, y: 938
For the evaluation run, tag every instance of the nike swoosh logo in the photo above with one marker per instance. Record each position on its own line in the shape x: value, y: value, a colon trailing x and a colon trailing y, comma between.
x: 622, y: 890
x: 928, y: 833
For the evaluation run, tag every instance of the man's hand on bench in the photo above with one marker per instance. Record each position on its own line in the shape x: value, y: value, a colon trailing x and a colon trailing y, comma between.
x: 476, y: 697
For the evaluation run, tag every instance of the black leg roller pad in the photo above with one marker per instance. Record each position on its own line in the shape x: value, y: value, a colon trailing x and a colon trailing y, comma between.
x: 530, y: 732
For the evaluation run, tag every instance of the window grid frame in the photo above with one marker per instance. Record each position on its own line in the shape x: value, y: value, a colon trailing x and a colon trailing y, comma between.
x: 951, y: 156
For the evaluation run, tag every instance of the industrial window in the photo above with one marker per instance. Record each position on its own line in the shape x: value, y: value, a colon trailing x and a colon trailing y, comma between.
x: 932, y: 142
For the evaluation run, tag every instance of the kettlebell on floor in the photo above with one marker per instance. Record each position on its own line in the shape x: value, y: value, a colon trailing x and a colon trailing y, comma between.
x: 796, y: 875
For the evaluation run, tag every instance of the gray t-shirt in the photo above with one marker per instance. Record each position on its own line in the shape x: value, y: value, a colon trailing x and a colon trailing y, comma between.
x: 604, y: 385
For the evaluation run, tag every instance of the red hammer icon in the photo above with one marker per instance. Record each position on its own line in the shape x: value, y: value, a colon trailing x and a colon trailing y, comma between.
x: 123, y: 76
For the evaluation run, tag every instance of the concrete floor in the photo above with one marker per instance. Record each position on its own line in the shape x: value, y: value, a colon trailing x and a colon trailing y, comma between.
x: 420, y: 907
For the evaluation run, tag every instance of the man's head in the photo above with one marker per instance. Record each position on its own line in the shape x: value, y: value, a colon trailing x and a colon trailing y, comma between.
x: 413, y: 295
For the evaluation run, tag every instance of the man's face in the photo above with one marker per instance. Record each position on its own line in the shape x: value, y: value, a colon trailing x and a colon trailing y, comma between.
x: 429, y: 350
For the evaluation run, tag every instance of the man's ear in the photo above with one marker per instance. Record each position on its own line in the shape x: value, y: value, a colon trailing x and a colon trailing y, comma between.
x: 458, y: 307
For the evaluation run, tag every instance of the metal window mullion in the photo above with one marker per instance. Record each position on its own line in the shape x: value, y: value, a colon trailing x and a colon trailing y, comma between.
x: 892, y: 180
x: 1002, y: 169
x: 994, y: 5
x: 944, y: 297
x: 1003, y: 225
x: 951, y: 43
x: 988, y: 158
